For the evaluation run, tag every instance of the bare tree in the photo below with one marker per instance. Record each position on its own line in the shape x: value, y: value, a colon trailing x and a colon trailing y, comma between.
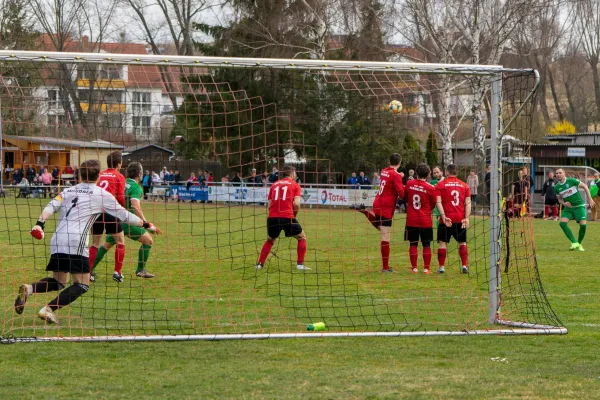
x: 587, y: 26
x: 63, y: 21
x: 466, y: 32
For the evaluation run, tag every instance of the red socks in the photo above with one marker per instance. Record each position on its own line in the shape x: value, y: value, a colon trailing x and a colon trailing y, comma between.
x: 93, y: 254
x: 370, y: 216
x: 555, y: 211
x: 266, y: 249
x: 464, y: 254
x: 547, y: 211
x: 385, y: 254
x: 442, y: 257
x: 301, y: 249
x: 119, y: 257
x: 426, y: 257
x: 413, y: 252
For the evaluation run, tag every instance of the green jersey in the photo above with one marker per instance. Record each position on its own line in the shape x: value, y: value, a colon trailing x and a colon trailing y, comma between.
x: 132, y: 191
x: 569, y: 192
x: 435, y: 210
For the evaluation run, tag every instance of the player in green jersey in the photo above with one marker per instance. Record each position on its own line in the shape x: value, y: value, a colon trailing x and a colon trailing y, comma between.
x: 133, y: 197
x: 573, y: 206
x: 438, y: 176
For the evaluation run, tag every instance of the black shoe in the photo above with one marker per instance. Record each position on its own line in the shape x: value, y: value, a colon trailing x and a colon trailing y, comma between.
x: 117, y: 277
x: 387, y: 270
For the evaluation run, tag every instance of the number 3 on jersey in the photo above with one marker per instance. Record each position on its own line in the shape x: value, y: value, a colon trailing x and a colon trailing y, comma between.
x: 456, y: 196
x: 284, y: 190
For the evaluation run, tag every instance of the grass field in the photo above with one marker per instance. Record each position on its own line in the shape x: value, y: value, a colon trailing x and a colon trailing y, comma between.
x: 205, y: 283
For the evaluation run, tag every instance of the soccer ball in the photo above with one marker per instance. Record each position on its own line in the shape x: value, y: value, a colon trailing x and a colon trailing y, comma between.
x: 395, y: 107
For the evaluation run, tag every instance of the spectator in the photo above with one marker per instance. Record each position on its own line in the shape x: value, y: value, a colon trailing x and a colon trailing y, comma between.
x: 253, y: 179
x: 353, y: 181
x: 225, y: 181
x: 30, y: 173
x: 487, y: 180
x: 274, y: 177
x: 376, y: 180
x: 46, y: 179
x: 411, y: 175
x: 236, y: 180
x: 146, y: 184
x: 473, y: 182
x: 69, y: 169
x: 176, y: 177
x: 550, y: 199
x: 164, y: 174
x: 519, y: 194
x: 265, y: 179
x: 24, y: 190
x: 363, y: 181
x: 55, y: 174
x: 200, y: 176
x: 17, y: 176
x: 156, y: 181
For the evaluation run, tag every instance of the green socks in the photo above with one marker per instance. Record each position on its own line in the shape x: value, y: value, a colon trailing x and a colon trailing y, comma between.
x: 143, y: 255
x: 101, y: 253
x: 564, y: 226
x: 582, y: 229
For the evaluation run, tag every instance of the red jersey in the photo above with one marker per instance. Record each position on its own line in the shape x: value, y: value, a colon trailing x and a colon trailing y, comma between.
x: 282, y: 194
x: 114, y: 183
x: 420, y: 201
x: 390, y: 188
x: 453, y: 192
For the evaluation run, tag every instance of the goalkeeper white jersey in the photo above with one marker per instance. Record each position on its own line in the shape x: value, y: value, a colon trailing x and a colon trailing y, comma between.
x: 78, y: 208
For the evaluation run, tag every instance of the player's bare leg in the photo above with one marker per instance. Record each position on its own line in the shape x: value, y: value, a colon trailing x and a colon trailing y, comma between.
x: 385, y: 248
x: 81, y: 284
x: 301, y: 250
x: 143, y: 254
x: 264, y: 252
x: 369, y: 214
x: 442, y: 252
x: 463, y: 252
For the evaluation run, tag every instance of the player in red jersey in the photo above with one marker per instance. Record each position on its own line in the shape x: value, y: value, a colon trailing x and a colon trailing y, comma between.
x: 455, y: 198
x: 284, y: 204
x: 113, y: 182
x: 390, y: 189
x: 420, y: 202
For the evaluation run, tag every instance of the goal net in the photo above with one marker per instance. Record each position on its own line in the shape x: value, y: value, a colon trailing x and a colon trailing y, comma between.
x: 232, y: 123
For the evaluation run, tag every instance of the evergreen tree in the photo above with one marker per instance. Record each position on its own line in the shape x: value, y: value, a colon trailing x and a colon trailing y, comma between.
x: 431, y: 153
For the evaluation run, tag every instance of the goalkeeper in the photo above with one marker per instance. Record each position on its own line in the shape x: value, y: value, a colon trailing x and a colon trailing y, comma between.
x: 573, y: 206
x: 133, y: 196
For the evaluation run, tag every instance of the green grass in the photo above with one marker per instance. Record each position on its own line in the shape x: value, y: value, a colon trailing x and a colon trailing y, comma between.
x: 206, y: 284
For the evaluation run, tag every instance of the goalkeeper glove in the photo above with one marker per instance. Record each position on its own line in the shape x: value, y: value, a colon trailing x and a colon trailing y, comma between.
x: 38, y: 230
x: 151, y: 228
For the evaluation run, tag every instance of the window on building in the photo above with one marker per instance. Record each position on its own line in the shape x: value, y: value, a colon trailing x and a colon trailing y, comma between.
x: 141, y: 102
x: 141, y: 125
x: 52, y: 98
x: 114, y: 121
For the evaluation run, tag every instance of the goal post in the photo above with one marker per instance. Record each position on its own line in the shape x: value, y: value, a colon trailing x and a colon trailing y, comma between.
x: 242, y: 119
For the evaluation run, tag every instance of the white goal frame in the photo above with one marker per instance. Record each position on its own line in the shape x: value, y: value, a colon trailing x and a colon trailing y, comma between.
x: 493, y: 72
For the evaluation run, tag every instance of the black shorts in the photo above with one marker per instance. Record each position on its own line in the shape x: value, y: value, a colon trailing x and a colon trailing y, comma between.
x: 382, y: 221
x: 456, y: 231
x: 413, y: 234
x: 551, y: 202
x: 74, y: 264
x: 106, y: 223
x: 291, y: 227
